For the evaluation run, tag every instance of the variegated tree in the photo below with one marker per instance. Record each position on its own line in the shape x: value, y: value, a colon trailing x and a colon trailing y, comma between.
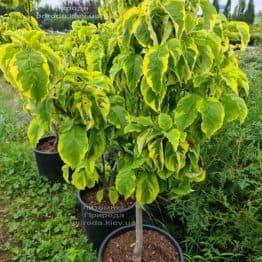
x: 177, y: 70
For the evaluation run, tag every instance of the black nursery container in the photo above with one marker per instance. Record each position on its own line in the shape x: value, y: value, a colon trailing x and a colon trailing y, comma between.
x: 124, y: 229
x: 49, y: 163
x: 98, y: 224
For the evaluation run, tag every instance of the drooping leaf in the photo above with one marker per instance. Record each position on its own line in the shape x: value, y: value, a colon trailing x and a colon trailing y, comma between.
x: 147, y: 188
x: 155, y: 66
x: 30, y: 71
x: 126, y: 182
x: 141, y: 32
x: 133, y: 70
x: 173, y: 137
x: 187, y: 110
x: 235, y: 107
x: 156, y: 153
x: 212, y: 113
x: 176, y: 10
x: 73, y: 145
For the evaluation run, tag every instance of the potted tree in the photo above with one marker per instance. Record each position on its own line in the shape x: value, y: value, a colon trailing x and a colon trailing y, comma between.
x: 178, y: 74
x: 86, y: 145
x: 32, y: 67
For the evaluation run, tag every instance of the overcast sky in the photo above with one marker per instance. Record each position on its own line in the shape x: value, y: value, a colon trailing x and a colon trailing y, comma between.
x: 258, y: 3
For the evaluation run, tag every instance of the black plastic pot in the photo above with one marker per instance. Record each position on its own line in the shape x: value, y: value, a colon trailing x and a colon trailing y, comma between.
x: 98, y: 224
x: 124, y: 229
x: 49, y: 163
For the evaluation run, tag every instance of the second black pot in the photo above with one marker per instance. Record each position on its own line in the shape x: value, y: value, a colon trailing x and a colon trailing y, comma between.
x: 124, y: 229
x: 98, y: 224
x: 49, y: 163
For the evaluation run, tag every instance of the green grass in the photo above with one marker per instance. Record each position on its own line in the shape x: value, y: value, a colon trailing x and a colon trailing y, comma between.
x: 38, y: 218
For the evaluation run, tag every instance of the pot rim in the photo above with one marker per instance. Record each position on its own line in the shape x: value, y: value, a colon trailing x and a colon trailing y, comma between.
x: 42, y: 152
x: 102, y: 212
x: 145, y: 226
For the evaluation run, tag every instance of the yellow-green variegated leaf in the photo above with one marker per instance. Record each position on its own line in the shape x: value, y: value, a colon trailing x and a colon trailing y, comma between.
x: 133, y: 70
x: 155, y: 66
x: 171, y: 160
x: 209, y: 13
x: 126, y: 182
x: 165, y: 121
x: 30, y: 71
x: 7, y: 52
x: 187, y: 110
x: 66, y: 172
x: 84, y: 177
x: 183, y: 187
x: 173, y: 137
x: 235, y: 107
x: 152, y: 99
x: 53, y: 60
x: 142, y: 33
x: 97, y: 144
x: 176, y: 10
x: 197, y: 177
x: 175, y: 49
x: 212, y: 112
x: 94, y: 54
x: 128, y: 25
x: 73, y: 145
x: 37, y: 129
x: 147, y: 188
x: 156, y: 153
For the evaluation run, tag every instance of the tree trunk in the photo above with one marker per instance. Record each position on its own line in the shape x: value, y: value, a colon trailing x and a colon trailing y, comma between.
x: 139, y: 234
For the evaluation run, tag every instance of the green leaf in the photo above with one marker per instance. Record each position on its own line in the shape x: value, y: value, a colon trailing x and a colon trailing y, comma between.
x: 165, y: 121
x: 65, y: 170
x: 176, y: 10
x: 94, y: 54
x: 183, y: 187
x: 117, y: 116
x: 133, y: 70
x: 141, y: 140
x: 126, y: 182
x: 173, y: 137
x: 197, y: 177
x: 209, y: 13
x: 85, y: 176
x: 37, y: 129
x: 156, y: 153
x: 113, y: 195
x: 175, y: 49
x: 155, y: 66
x: 212, y: 113
x: 152, y: 99
x: 30, y: 71
x: 187, y: 110
x: 171, y: 160
x: 128, y: 26
x: 147, y: 188
x: 234, y: 107
x: 100, y: 195
x: 73, y: 145
x: 142, y: 33
x: 97, y: 145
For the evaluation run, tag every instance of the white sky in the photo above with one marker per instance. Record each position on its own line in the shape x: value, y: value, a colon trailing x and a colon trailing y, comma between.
x: 258, y: 3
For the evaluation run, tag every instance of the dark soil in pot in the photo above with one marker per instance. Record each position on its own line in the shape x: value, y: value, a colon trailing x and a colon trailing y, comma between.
x: 48, y: 160
x: 100, y: 219
x: 158, y: 246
